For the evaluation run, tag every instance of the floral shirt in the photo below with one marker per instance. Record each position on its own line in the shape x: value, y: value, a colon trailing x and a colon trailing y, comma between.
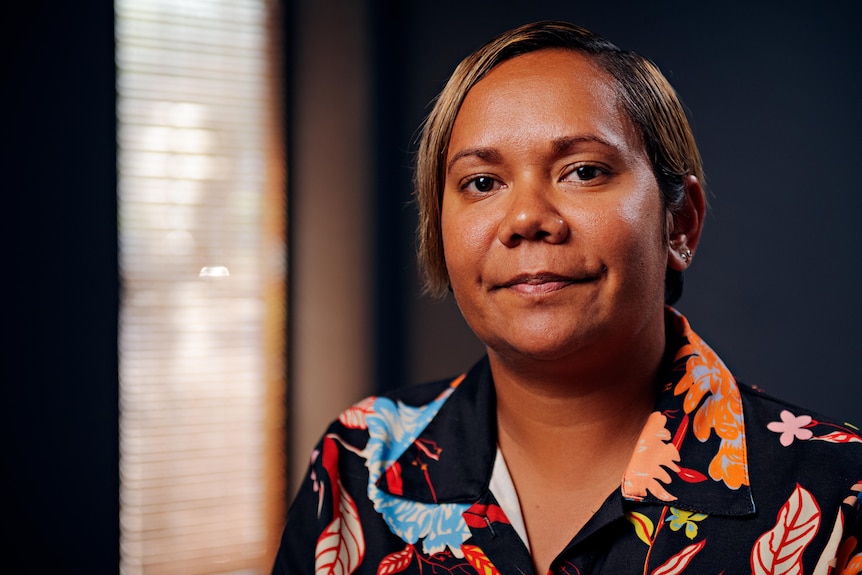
x: 724, y: 479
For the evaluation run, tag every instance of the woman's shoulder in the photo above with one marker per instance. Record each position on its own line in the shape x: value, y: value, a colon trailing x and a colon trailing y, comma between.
x: 781, y: 434
x: 764, y: 404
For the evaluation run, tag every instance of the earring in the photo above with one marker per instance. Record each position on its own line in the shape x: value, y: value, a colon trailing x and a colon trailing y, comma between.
x: 685, y: 254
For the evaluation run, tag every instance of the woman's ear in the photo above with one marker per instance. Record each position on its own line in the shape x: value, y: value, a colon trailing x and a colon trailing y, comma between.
x: 685, y: 226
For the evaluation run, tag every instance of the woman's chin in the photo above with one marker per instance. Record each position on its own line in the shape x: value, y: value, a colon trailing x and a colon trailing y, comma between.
x: 537, y: 349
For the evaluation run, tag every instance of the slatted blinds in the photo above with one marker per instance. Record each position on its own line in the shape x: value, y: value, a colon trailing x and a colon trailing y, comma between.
x: 202, y: 267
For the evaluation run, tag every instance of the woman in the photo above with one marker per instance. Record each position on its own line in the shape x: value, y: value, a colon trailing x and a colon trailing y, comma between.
x: 560, y: 199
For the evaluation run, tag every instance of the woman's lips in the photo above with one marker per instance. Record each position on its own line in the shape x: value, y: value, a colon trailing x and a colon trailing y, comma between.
x: 544, y: 282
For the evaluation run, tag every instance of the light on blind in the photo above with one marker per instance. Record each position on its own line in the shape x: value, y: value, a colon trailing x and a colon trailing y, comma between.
x: 201, y: 344
x: 214, y: 272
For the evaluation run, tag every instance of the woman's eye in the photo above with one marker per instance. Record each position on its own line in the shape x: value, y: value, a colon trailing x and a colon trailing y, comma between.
x: 587, y: 172
x: 482, y: 184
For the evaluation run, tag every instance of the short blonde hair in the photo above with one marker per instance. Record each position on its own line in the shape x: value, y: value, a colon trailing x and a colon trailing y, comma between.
x: 645, y: 95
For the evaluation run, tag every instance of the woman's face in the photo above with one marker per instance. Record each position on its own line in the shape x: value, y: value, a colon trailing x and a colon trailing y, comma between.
x: 552, y: 221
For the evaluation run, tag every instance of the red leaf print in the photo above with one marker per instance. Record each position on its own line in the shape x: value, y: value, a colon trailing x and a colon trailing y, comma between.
x: 474, y: 521
x: 680, y: 561
x: 354, y: 417
x: 680, y: 431
x: 495, y: 514
x: 429, y: 448
x: 690, y: 475
x: 779, y: 550
x: 478, y: 516
x: 838, y: 437
x: 396, y: 562
x: 393, y: 479
x: 329, y: 460
x: 568, y: 568
x: 341, y: 547
x: 480, y: 562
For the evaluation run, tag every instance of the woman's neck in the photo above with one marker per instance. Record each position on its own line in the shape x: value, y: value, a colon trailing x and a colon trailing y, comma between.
x: 592, y: 420
x: 567, y: 436
x: 591, y: 407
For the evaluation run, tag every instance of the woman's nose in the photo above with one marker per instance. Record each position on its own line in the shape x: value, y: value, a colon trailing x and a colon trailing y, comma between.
x: 532, y: 216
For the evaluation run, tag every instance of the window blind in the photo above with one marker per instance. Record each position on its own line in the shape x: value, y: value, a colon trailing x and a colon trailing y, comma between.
x: 202, y: 269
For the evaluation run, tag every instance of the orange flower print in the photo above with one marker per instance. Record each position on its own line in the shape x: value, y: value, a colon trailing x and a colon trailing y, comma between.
x: 653, y: 453
x: 707, y: 377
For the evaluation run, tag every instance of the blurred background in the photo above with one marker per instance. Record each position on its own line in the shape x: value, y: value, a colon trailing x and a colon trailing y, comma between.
x: 159, y: 419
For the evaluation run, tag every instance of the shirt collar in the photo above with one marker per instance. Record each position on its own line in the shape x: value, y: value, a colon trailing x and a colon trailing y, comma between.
x: 691, y: 454
x: 452, y: 458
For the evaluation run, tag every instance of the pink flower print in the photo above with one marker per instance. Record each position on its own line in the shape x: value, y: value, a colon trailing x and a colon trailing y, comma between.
x: 791, y: 427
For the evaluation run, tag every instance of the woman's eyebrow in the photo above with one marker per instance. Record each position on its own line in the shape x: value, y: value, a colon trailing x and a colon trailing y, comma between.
x: 565, y: 144
x: 560, y: 146
x: 490, y: 155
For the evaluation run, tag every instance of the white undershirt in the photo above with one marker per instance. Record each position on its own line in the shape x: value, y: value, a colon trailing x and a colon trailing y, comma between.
x: 504, y: 491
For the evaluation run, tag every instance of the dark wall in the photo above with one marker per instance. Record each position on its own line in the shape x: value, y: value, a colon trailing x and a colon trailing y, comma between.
x: 60, y: 290
x: 774, y: 91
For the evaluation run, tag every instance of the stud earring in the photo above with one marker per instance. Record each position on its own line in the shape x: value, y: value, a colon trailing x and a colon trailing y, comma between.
x: 685, y: 254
